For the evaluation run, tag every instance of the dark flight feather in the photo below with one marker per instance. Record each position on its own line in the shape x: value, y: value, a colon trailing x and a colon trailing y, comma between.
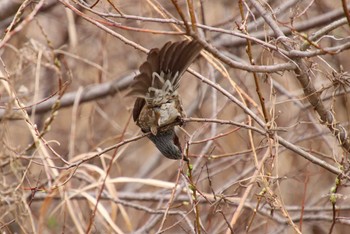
x: 173, y: 57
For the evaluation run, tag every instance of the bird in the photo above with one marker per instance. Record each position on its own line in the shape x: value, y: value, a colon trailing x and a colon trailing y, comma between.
x: 158, y: 106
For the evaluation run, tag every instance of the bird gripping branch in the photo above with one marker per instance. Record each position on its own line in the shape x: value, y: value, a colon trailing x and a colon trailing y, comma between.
x: 158, y: 104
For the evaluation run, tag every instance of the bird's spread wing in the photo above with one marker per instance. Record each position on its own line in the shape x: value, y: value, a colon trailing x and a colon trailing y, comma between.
x: 170, y: 62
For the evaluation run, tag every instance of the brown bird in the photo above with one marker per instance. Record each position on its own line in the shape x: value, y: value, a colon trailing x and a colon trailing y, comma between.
x: 158, y: 106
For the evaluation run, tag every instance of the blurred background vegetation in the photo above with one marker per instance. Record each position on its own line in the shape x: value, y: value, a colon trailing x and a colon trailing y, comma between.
x: 266, y: 133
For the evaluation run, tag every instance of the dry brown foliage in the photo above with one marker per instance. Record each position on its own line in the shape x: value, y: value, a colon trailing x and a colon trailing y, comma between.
x: 266, y: 133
